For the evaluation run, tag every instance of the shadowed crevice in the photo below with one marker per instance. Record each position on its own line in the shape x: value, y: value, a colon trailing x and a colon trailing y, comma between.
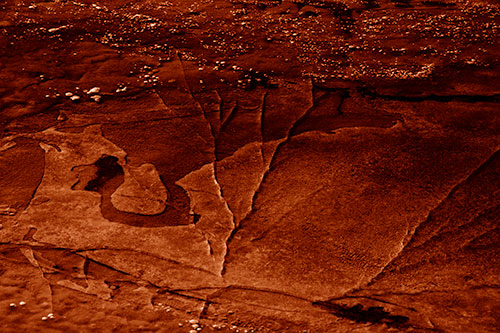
x: 359, y: 314
x: 108, y: 177
x: 494, y: 98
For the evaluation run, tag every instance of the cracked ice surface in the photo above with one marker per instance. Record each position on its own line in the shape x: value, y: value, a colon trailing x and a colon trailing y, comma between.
x: 252, y: 165
x: 88, y: 228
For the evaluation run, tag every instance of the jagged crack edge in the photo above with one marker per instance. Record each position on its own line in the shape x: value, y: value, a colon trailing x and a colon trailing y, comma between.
x: 266, y: 172
x: 409, y: 236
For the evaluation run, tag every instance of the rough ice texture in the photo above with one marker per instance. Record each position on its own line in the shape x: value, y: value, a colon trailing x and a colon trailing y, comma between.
x: 273, y: 166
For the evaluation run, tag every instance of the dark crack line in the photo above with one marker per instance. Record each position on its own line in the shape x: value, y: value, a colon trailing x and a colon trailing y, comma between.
x: 495, y: 98
x: 221, y: 104
x: 275, y: 153
x: 343, y: 96
x: 228, y: 241
x: 245, y: 288
x: 262, y: 113
x: 48, y: 246
x: 184, y: 76
x: 269, y: 307
x: 127, y: 122
x: 279, y: 146
x: 87, y: 259
x: 488, y: 211
x: 475, y: 173
x: 42, y: 274
x: 234, y: 227
x: 220, y: 196
x: 209, y: 301
x: 179, y: 293
x: 175, y: 262
x: 209, y: 245
x: 219, y: 294
x: 373, y: 299
x: 202, y: 113
x: 439, y: 291
x: 219, y: 290
x: 204, y: 309
x: 212, y: 131
x: 192, y: 97
x: 86, y: 264
x: 163, y: 101
x: 450, y: 193
x: 232, y: 114
x: 466, y: 239
x: 469, y: 241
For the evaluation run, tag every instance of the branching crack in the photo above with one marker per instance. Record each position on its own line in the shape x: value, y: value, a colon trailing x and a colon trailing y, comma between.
x: 409, y: 239
x: 28, y: 253
x: 266, y: 172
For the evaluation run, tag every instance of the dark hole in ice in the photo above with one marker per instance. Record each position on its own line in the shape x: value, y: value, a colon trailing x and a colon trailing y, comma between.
x: 196, y: 218
x: 357, y: 313
x: 107, y: 168
x: 437, y: 4
x: 106, y: 180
